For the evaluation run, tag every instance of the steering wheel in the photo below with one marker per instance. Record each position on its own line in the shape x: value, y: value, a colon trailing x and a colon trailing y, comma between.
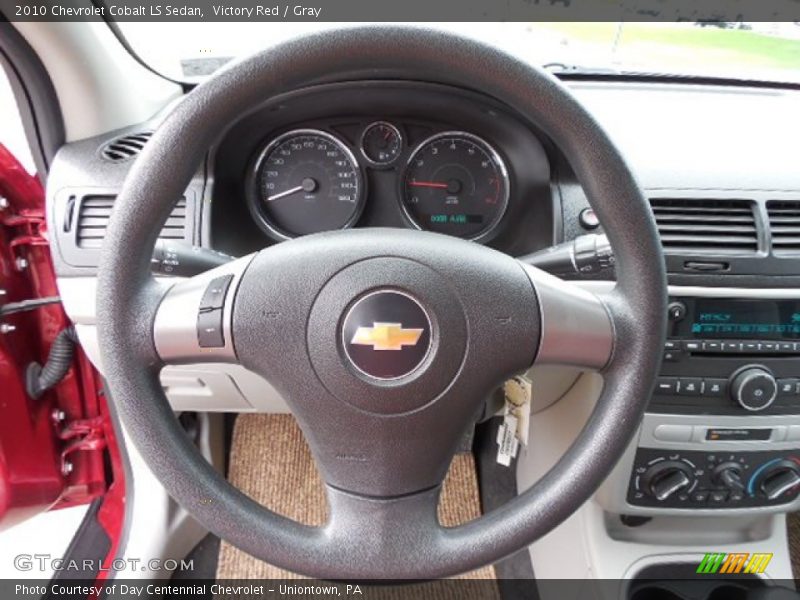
x: 319, y: 316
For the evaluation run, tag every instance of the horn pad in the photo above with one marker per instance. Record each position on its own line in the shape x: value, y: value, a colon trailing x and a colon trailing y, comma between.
x: 387, y: 335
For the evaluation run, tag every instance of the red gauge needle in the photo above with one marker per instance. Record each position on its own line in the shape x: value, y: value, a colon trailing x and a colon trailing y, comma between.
x: 428, y: 184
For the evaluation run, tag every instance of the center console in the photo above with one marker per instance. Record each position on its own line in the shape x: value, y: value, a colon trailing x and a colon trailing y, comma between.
x: 723, y: 424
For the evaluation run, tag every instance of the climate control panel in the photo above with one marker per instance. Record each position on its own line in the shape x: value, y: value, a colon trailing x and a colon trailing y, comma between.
x: 718, y: 480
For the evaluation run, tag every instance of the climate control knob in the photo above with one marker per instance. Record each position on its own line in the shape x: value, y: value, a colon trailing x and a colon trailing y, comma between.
x: 729, y: 475
x: 754, y: 388
x: 665, y: 479
x: 777, y: 478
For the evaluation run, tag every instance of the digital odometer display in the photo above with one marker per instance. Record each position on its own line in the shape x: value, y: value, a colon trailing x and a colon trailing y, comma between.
x: 457, y: 184
x: 307, y: 181
x: 735, y: 319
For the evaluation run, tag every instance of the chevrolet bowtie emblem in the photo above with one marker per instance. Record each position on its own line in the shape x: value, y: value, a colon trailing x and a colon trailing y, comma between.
x: 386, y: 336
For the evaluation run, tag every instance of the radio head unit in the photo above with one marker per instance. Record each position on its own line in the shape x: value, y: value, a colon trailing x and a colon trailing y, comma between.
x: 730, y: 357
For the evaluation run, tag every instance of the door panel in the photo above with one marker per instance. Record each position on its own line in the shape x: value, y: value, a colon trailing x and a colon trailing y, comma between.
x: 51, y: 447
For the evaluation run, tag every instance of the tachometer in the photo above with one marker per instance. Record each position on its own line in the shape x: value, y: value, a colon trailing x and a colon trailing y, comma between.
x: 306, y: 181
x: 455, y: 183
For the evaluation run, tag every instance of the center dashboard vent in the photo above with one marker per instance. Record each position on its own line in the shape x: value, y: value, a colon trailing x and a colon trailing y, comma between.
x: 706, y: 226
x: 784, y: 223
x: 94, y: 213
x: 125, y: 147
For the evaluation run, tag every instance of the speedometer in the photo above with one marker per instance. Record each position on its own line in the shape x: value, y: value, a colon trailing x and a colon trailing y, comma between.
x: 455, y: 183
x: 306, y: 181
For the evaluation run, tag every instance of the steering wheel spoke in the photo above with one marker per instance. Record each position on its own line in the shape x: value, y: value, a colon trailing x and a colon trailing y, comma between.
x: 384, y: 526
x: 192, y: 323
x: 576, y: 325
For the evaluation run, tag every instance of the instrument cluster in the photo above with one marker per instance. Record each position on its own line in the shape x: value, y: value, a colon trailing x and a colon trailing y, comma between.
x: 309, y: 180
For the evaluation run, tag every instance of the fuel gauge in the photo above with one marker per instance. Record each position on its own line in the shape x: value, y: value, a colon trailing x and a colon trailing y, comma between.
x: 381, y: 143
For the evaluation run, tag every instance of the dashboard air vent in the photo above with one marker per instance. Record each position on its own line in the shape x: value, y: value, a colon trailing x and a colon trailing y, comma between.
x: 690, y: 226
x: 95, y: 211
x: 125, y: 147
x: 784, y: 222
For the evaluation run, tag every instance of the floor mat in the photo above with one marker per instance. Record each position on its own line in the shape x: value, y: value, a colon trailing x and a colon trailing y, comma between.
x: 793, y: 531
x: 271, y: 463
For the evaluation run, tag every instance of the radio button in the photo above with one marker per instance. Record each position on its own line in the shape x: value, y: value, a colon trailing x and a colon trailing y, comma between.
x: 714, y: 387
x: 787, y: 347
x: 751, y: 346
x: 712, y: 346
x: 671, y: 355
x: 667, y: 385
x: 769, y: 346
x: 692, y: 346
x: 676, y: 311
x: 731, y: 346
x: 690, y: 386
x: 671, y: 345
x: 788, y: 387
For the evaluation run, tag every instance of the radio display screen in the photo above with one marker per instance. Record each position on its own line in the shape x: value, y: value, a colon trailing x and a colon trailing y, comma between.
x: 746, y: 319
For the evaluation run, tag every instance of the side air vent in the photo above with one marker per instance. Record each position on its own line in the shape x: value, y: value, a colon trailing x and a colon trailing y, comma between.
x: 95, y: 211
x: 784, y: 222
x: 125, y: 147
x: 721, y: 227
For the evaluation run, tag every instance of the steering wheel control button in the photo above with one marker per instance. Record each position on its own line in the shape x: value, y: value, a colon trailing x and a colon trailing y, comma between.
x: 214, y: 296
x: 386, y: 335
x: 209, y: 329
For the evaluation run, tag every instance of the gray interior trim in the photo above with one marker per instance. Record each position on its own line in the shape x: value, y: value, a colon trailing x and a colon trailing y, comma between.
x: 577, y: 329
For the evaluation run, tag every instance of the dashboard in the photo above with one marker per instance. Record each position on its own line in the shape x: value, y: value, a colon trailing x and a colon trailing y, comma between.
x: 722, y: 431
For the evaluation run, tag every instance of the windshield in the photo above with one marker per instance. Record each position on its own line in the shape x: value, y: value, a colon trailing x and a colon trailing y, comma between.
x: 757, y: 51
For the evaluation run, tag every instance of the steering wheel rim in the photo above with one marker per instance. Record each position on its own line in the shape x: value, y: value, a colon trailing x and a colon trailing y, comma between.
x: 364, y: 542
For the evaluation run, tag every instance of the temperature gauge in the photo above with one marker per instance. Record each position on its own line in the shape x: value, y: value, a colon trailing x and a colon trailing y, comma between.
x: 381, y: 143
